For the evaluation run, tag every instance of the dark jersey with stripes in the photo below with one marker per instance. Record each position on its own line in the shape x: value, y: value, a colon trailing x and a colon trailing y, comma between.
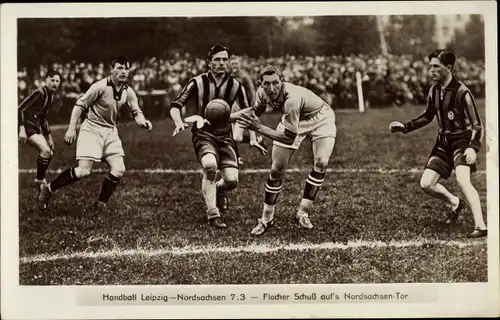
x: 203, y: 89
x: 35, y: 108
x: 456, y: 112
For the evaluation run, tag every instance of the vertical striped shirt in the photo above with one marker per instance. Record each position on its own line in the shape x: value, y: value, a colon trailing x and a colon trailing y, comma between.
x: 36, y: 107
x: 202, y: 89
x: 455, y: 110
x: 102, y: 102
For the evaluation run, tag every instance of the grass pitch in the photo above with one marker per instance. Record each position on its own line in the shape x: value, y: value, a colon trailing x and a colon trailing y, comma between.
x: 151, y: 215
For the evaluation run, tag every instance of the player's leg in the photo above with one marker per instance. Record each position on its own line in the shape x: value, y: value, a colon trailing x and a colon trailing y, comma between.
x: 114, y: 155
x: 463, y: 173
x: 440, y: 165
x: 228, y: 163
x: 64, y: 179
x: 322, y: 150
x: 207, y: 154
x: 280, y: 156
x: 45, y: 153
x: 239, y: 138
x: 322, y: 130
x: 89, y: 147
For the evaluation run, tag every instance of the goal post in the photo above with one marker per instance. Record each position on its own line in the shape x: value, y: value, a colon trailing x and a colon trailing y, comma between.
x: 359, y: 88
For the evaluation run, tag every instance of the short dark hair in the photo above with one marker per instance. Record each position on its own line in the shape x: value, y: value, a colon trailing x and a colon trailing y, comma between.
x: 216, y: 49
x: 121, y: 60
x: 52, y: 73
x: 270, y: 70
x: 446, y: 57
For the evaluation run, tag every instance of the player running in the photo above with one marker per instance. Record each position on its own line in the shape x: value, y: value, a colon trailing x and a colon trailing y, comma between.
x: 459, y: 139
x: 240, y: 74
x: 33, y: 125
x: 303, y: 114
x: 214, y: 145
x: 98, y: 138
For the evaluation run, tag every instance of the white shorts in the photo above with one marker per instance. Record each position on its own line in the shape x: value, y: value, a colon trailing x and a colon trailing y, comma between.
x: 322, y: 125
x: 96, y: 142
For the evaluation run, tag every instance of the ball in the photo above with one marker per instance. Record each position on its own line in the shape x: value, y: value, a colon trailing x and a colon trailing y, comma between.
x: 217, y: 112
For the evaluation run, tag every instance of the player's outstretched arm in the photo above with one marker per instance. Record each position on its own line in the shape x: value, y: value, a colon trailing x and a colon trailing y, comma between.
x: 252, y: 122
x: 421, y: 121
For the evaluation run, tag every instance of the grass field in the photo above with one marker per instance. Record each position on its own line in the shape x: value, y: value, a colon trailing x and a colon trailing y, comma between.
x: 371, y: 225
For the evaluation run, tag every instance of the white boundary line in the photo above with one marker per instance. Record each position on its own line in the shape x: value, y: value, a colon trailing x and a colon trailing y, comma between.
x: 256, y: 248
x: 252, y: 171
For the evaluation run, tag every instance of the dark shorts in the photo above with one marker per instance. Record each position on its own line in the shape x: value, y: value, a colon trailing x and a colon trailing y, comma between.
x: 32, y: 126
x: 448, y: 153
x: 223, y: 148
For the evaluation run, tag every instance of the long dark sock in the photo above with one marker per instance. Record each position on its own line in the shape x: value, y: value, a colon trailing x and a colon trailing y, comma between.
x: 67, y: 177
x: 108, y: 186
x: 41, y: 167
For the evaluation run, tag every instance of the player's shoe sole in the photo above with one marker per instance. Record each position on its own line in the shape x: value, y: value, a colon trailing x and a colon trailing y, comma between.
x: 304, y: 222
x: 453, y: 215
x: 44, y: 197
x: 261, y: 227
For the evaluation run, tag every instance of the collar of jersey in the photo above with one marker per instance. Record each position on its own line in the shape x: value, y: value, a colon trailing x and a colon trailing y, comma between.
x: 453, y: 85
x: 211, y: 78
x: 110, y: 83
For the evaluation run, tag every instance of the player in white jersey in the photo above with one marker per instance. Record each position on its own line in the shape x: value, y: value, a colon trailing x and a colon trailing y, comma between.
x: 98, y: 138
x: 303, y: 114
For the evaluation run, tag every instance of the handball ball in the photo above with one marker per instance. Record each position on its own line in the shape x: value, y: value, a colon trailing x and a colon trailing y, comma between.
x: 217, y: 112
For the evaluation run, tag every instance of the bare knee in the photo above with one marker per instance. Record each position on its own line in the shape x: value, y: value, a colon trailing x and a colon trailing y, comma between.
x: 231, y: 183
x: 45, y: 152
x: 426, y: 183
x: 238, y: 136
x: 210, y: 172
x: 277, y: 172
x: 321, y: 164
x: 82, y: 172
x: 118, y: 170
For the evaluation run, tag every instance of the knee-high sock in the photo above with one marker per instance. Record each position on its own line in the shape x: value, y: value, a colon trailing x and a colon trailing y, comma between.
x: 311, y: 188
x: 273, y: 189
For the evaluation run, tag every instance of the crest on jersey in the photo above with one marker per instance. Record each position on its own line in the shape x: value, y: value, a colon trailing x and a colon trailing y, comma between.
x: 451, y: 115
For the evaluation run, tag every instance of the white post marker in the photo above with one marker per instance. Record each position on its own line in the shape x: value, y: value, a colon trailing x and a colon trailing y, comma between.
x: 361, y: 100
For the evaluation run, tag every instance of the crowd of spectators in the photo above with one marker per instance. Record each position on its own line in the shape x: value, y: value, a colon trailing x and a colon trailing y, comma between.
x: 387, y: 80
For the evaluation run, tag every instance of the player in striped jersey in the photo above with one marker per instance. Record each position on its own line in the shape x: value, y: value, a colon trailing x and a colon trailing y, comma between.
x: 304, y: 114
x: 98, y: 137
x: 459, y: 139
x: 240, y: 74
x: 34, y: 128
x: 214, y: 146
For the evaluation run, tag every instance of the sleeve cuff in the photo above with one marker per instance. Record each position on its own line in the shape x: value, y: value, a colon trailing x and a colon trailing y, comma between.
x: 175, y: 105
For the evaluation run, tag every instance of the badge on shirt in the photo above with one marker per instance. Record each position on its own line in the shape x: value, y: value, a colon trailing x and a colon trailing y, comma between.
x: 451, y: 115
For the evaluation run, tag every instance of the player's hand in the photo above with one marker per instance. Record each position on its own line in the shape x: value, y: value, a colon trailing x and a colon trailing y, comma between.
x: 200, y: 122
x: 250, y: 121
x: 147, y: 125
x: 22, y: 135
x: 397, y: 126
x: 70, y: 136
x: 256, y: 144
x: 180, y: 127
x: 470, y: 155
